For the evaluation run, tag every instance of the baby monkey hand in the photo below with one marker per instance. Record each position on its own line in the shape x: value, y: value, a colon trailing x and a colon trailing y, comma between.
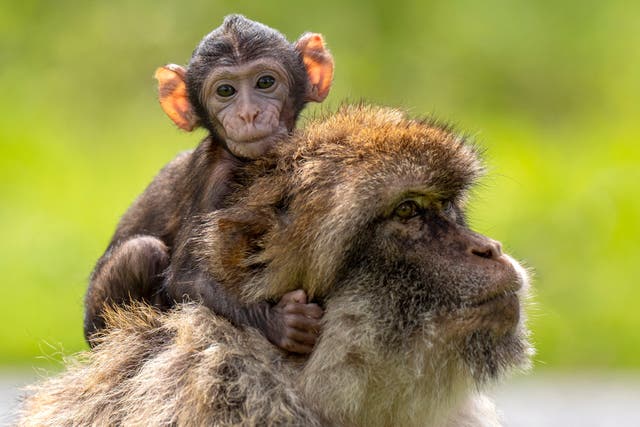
x: 294, y: 325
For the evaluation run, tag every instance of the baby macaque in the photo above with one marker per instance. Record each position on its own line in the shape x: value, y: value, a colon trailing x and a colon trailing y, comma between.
x: 246, y: 85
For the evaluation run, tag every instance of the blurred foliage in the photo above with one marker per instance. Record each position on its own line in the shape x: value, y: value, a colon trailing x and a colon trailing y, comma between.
x: 550, y: 88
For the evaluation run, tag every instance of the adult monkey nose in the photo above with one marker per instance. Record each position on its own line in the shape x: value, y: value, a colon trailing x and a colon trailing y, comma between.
x: 485, y: 247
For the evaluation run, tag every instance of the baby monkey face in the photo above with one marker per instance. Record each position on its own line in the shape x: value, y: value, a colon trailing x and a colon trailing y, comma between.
x: 248, y: 105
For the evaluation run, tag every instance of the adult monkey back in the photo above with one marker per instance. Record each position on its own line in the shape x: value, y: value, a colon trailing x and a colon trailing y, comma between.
x: 246, y: 85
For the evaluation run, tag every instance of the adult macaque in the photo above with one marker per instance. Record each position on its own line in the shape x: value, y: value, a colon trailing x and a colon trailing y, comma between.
x: 246, y: 85
x: 365, y: 211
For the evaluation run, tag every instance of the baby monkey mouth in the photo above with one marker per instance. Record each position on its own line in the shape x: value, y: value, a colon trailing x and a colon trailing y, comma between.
x: 266, y: 134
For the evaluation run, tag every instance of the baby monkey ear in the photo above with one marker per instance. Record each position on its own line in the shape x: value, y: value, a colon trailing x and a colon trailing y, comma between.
x: 319, y: 64
x: 172, y: 93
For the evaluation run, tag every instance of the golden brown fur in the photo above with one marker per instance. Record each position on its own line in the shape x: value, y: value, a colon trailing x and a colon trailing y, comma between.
x: 178, y: 367
x: 411, y: 334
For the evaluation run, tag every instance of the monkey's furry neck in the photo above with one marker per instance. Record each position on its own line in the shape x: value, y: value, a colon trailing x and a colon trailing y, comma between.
x: 426, y: 383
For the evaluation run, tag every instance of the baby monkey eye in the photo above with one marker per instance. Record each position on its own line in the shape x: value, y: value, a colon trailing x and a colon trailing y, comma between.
x: 225, y: 91
x: 407, y: 209
x: 265, y: 82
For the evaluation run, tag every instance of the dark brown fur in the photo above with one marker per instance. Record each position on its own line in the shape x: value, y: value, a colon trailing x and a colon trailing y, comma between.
x: 421, y: 313
x: 132, y: 267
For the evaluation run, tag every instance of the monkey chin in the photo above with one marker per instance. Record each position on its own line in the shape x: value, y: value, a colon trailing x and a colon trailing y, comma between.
x: 498, y: 309
x: 254, y: 148
x: 494, y: 337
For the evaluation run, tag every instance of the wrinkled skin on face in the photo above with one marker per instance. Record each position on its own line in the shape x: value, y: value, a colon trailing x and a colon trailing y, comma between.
x: 458, y: 279
x: 431, y: 233
x: 250, y: 104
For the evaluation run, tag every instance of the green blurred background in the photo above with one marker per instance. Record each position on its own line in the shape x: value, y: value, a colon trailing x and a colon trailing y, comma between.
x: 550, y: 88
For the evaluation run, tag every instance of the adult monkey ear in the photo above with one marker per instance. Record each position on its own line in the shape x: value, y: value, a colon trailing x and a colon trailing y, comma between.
x: 319, y: 64
x: 233, y: 248
x: 172, y: 93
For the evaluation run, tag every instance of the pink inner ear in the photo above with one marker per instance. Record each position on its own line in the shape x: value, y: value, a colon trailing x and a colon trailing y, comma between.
x: 172, y: 93
x: 319, y: 64
x: 320, y: 74
x: 316, y: 42
x: 313, y: 71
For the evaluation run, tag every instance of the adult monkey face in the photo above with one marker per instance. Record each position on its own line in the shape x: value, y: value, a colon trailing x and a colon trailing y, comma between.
x: 246, y: 84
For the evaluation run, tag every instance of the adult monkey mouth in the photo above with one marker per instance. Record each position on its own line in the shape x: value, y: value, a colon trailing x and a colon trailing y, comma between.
x: 497, y: 297
x: 515, y: 280
x: 499, y: 313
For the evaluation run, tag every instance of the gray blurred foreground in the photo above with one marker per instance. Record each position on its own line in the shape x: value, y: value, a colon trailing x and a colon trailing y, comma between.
x: 546, y: 400
x: 539, y: 400
x: 10, y: 382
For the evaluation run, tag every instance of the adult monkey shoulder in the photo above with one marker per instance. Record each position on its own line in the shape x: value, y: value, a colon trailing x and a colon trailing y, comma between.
x: 246, y: 85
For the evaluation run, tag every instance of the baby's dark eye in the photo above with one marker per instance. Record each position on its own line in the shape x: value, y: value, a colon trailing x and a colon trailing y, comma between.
x: 225, y: 91
x: 407, y: 209
x: 265, y: 82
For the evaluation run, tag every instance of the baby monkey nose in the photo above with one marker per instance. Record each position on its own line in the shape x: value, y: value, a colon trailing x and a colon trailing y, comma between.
x: 249, y: 114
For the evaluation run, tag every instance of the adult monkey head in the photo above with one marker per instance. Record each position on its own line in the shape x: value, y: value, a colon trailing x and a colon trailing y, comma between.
x: 246, y: 84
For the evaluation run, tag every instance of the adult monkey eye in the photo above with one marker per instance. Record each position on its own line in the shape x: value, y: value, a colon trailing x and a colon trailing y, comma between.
x: 225, y: 91
x: 407, y: 209
x: 265, y: 82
